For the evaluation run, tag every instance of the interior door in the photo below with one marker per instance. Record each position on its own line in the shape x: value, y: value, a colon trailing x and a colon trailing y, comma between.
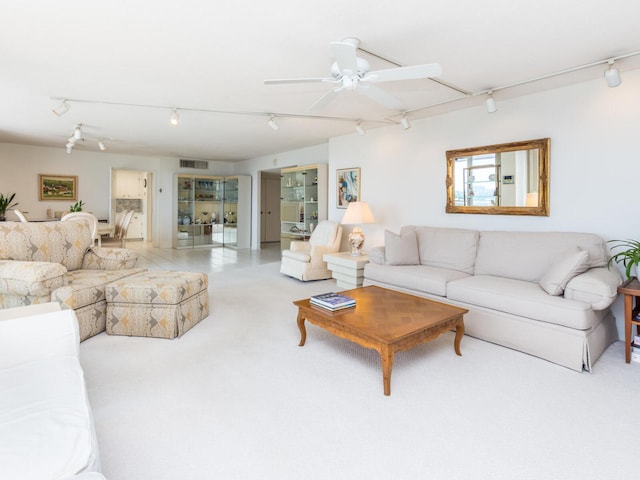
x: 271, y: 209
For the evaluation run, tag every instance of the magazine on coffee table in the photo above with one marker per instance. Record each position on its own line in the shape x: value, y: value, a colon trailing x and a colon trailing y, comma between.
x: 332, y: 301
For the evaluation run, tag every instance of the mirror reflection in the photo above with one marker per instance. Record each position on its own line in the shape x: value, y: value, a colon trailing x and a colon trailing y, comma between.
x: 504, y: 179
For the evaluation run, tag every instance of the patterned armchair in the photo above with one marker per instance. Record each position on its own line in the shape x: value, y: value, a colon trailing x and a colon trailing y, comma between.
x: 42, y: 262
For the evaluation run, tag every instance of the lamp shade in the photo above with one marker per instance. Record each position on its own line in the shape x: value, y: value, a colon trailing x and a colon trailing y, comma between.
x: 358, y: 213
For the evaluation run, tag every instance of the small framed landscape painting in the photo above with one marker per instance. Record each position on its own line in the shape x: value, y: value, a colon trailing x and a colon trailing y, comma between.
x: 57, y: 187
x: 348, y: 186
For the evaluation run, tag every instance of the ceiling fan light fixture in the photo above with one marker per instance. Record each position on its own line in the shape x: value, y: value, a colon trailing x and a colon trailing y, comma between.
x: 273, y: 124
x: 61, y: 109
x: 360, y: 129
x: 174, y: 118
x: 490, y: 103
x: 612, y: 75
x: 405, y: 122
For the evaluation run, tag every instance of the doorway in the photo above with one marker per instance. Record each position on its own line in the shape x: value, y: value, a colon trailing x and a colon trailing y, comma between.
x: 130, y: 190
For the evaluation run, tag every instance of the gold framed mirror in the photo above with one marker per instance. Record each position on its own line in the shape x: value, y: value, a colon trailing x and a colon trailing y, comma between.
x: 504, y: 179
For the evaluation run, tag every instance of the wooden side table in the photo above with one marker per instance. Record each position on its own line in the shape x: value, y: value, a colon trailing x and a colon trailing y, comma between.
x: 347, y: 269
x: 630, y: 289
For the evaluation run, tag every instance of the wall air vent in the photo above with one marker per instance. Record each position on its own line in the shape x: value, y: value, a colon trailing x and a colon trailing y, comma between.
x: 199, y: 164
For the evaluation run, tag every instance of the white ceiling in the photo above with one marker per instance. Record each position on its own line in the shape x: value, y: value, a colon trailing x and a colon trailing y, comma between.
x: 213, y: 56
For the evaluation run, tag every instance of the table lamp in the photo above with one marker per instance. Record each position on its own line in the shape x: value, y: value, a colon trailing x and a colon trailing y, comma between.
x: 357, y: 214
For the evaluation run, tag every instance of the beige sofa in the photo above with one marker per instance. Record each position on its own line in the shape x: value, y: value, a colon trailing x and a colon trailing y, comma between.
x: 543, y: 293
x: 42, y: 262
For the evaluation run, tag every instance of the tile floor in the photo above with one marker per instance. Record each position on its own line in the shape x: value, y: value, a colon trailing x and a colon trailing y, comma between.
x: 215, y: 259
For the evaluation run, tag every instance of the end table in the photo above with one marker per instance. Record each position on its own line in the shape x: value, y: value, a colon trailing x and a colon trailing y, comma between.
x: 347, y: 269
x: 630, y: 289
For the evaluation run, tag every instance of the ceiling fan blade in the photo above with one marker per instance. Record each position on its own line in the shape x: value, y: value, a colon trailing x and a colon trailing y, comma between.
x: 327, y: 98
x: 404, y: 73
x: 345, y: 55
x: 380, y: 96
x: 300, y: 80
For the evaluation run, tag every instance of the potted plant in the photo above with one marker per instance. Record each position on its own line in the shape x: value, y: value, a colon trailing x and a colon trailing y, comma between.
x: 5, y: 204
x: 629, y: 257
x: 76, y: 207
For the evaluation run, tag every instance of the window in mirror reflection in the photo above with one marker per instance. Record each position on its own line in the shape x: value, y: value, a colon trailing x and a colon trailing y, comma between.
x: 497, y: 179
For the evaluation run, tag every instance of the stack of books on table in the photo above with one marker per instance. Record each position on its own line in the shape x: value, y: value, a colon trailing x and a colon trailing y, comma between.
x: 635, y: 349
x: 332, y: 301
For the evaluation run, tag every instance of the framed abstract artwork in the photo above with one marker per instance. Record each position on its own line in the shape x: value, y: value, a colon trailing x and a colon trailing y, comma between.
x: 347, y: 187
x: 57, y: 187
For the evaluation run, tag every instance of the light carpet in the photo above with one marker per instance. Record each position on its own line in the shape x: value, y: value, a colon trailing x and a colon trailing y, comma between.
x: 237, y: 398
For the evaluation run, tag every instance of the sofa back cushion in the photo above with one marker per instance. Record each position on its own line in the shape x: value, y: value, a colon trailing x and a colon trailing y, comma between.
x: 58, y: 242
x: 452, y: 248
x: 529, y: 255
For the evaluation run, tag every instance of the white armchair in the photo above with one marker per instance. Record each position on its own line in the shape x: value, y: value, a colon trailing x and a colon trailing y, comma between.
x: 304, y: 261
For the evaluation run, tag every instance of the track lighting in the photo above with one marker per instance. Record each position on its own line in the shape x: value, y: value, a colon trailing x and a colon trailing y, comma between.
x: 612, y: 75
x: 359, y: 128
x: 70, y: 147
x: 101, y: 145
x: 405, y: 122
x: 77, y: 133
x: 272, y: 123
x: 61, y: 109
x: 490, y: 103
x: 174, y: 117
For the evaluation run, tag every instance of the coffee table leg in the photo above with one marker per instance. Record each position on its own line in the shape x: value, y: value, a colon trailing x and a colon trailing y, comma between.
x: 386, y: 356
x: 459, y: 335
x: 303, y: 330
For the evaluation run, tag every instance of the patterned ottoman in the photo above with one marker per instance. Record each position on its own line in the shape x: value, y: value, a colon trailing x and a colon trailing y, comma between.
x: 157, y: 304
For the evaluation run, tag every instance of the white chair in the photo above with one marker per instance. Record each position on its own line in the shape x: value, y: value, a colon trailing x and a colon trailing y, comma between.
x: 20, y: 215
x: 122, y: 226
x: 83, y: 216
x: 304, y: 261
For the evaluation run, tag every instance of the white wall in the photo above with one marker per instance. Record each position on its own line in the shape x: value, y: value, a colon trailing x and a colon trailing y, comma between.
x: 593, y: 162
x: 21, y: 164
x: 304, y: 156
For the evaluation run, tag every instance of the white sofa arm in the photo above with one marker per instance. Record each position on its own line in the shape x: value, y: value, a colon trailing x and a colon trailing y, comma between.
x: 300, y: 246
x: 376, y: 255
x: 597, y: 287
x: 27, y: 338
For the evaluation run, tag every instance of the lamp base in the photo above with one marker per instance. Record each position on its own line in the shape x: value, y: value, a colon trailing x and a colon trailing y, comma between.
x: 356, y: 239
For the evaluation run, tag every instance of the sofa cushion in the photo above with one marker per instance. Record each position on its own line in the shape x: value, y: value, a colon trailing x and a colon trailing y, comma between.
x: 564, y: 269
x: 453, y: 248
x: 525, y: 299
x: 529, y: 255
x: 421, y: 278
x: 86, y: 287
x: 106, y: 258
x: 401, y: 249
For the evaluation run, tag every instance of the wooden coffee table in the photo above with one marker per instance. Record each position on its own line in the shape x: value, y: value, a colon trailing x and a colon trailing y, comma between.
x: 385, y: 320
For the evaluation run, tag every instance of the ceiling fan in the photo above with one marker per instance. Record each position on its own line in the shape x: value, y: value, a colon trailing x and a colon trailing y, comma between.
x: 351, y: 72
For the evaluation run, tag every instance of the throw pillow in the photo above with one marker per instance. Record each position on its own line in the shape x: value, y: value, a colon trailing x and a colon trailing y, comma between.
x: 555, y: 280
x: 401, y: 249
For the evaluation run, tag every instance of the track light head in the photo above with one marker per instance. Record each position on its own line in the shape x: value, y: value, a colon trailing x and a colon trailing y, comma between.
x: 612, y: 75
x: 174, y: 117
x: 359, y: 128
x: 101, y: 145
x: 69, y: 147
x: 61, y: 109
x: 405, y: 122
x: 490, y: 103
x: 272, y: 123
x: 77, y: 132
